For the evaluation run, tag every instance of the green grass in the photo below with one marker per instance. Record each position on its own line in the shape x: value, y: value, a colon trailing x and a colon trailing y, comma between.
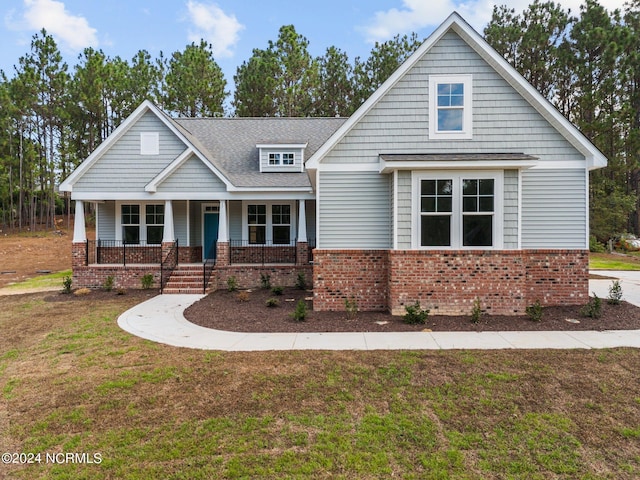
x: 599, y: 261
x: 72, y: 381
x: 42, y: 281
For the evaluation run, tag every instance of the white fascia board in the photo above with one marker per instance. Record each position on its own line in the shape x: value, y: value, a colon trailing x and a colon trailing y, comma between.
x: 188, y: 195
x: 388, y: 167
x: 67, y: 184
x: 282, y: 145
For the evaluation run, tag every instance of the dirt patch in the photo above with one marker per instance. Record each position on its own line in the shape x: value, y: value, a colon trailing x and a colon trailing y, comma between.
x: 230, y: 311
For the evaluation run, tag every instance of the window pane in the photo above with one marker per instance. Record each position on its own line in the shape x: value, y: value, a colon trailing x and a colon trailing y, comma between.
x: 470, y: 204
x: 450, y: 120
x: 287, y: 159
x: 486, y: 204
x: 131, y: 234
x: 486, y: 186
x: 281, y: 234
x: 445, y: 187
x: 444, y: 204
x: 154, y: 234
x: 469, y: 187
x: 477, y: 230
x: 457, y: 89
x: 257, y: 214
x: 257, y: 234
x: 435, y: 231
x: 130, y: 214
x: 428, y: 204
x: 428, y: 187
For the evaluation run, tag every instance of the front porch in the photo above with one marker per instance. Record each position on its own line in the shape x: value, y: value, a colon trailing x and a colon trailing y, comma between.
x: 200, y: 257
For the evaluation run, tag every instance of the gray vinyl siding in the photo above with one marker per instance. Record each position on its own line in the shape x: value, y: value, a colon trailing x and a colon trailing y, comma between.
x: 404, y: 209
x: 310, y: 212
x: 510, y: 211
x: 264, y: 160
x: 502, y: 120
x: 195, y: 222
x: 180, y: 221
x: 123, y: 169
x: 355, y: 211
x: 192, y: 176
x: 554, y: 208
x: 106, y: 219
x: 235, y: 219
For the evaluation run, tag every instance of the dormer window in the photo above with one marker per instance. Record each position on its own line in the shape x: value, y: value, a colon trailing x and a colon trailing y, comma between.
x: 281, y: 157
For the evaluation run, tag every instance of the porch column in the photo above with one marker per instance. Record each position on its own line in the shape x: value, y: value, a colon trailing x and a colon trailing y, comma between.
x: 79, y: 231
x: 302, y: 222
x: 168, y: 235
x: 223, y: 231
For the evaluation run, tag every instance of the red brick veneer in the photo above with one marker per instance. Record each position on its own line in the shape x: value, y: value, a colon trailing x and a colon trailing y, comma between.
x: 448, y: 282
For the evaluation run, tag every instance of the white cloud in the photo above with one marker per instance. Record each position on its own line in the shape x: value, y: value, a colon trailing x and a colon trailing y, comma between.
x: 212, y: 24
x: 72, y: 31
x: 415, y: 15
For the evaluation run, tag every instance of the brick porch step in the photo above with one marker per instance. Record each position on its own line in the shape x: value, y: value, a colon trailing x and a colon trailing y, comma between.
x: 185, y: 279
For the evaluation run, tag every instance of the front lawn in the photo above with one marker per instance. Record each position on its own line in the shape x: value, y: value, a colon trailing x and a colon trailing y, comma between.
x: 608, y: 261
x: 72, y: 382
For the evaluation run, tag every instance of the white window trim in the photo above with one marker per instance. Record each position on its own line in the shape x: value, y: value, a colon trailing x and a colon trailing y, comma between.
x: 143, y: 219
x: 457, y: 214
x: 467, y: 117
x: 269, y: 232
x: 149, y: 143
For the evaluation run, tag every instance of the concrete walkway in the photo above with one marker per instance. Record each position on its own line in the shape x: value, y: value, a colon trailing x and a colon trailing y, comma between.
x: 160, y: 319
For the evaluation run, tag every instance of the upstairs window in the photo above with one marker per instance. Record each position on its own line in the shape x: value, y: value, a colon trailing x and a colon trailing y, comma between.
x: 450, y: 100
x: 277, y: 158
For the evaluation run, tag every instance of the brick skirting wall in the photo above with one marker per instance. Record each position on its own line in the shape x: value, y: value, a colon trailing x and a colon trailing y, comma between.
x: 448, y: 282
x: 249, y: 276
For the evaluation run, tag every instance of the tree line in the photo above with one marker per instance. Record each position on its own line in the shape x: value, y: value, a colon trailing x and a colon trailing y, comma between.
x: 52, y: 116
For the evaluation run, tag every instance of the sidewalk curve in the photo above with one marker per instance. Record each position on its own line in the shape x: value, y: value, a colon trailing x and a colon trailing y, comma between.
x: 161, y: 319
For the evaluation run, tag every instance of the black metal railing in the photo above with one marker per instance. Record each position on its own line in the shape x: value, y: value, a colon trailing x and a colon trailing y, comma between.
x: 168, y: 265
x: 207, y: 269
x: 241, y: 251
x: 311, y: 244
x: 122, y: 253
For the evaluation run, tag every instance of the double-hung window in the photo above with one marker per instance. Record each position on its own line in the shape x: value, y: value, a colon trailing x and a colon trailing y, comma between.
x: 451, y: 109
x: 460, y: 210
x: 142, y: 223
x: 269, y: 223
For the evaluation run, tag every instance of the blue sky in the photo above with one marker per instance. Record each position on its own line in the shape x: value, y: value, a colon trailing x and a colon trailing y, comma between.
x: 122, y: 27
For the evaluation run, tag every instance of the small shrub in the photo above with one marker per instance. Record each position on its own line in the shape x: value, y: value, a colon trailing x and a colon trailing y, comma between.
x: 301, y: 282
x: 476, y: 311
x: 534, y: 311
x: 272, y: 302
x: 593, y: 309
x: 415, y: 314
x: 300, y: 313
x: 82, y: 291
x: 66, y: 284
x: 265, y: 281
x: 615, y: 293
x: 147, y: 281
x: 351, y: 307
x: 108, y: 283
x: 277, y: 290
x: 243, y: 296
x: 121, y: 291
x: 232, y: 284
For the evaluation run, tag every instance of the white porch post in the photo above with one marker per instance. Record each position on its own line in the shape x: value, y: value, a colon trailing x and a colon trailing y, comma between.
x: 223, y: 231
x: 168, y: 235
x: 302, y: 222
x: 79, y: 231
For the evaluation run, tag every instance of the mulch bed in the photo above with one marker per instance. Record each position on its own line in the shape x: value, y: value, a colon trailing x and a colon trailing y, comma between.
x: 223, y: 310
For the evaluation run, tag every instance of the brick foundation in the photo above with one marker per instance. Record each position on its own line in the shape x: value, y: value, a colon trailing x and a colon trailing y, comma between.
x: 249, y: 276
x: 448, y: 282
x: 95, y: 276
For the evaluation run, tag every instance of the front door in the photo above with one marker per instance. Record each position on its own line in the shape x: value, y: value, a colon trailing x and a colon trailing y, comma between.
x: 211, y: 221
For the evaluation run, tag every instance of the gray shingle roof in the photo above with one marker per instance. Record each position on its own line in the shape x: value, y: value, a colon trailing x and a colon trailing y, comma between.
x: 230, y: 144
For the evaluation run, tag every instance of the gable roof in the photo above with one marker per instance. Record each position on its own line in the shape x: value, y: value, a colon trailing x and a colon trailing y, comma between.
x: 227, y: 146
x: 593, y: 156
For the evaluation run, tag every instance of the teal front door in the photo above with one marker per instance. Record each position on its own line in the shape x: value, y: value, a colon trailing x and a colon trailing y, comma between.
x: 211, y: 221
